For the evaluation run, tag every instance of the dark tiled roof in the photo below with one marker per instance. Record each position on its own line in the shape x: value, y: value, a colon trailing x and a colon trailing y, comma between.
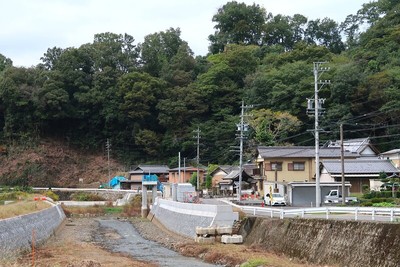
x: 360, y: 166
x: 301, y: 152
x: 151, y: 169
x: 188, y: 168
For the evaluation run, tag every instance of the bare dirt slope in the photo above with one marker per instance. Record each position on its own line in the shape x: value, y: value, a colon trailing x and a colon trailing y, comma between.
x: 53, y: 163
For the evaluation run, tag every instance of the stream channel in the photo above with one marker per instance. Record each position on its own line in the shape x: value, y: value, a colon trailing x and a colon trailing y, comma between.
x: 130, y: 242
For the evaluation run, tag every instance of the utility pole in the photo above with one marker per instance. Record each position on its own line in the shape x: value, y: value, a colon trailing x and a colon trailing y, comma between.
x: 198, y: 155
x: 315, y: 107
x: 184, y: 168
x: 342, y: 163
x: 242, y: 127
x: 179, y: 168
x: 108, y: 147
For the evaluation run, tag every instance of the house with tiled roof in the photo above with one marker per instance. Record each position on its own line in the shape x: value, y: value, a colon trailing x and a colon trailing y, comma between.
x: 218, y: 174
x: 184, y: 174
x: 230, y: 182
x: 286, y: 164
x: 136, y: 175
x: 361, y: 146
x: 359, y: 172
x: 392, y: 155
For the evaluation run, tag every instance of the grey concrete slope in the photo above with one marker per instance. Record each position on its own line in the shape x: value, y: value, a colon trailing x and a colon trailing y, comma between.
x: 16, y: 233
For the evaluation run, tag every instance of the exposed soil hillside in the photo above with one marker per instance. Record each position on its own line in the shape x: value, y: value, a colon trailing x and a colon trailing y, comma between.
x: 53, y: 163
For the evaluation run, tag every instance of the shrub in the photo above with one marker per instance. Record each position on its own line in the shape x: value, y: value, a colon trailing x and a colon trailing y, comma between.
x: 383, y: 204
x: 366, y: 204
x: 51, y: 195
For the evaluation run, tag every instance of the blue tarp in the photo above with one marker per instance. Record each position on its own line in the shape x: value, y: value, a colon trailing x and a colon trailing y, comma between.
x: 115, y: 181
x: 153, y: 177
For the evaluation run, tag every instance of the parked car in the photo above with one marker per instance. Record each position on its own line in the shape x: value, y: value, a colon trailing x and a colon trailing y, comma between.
x: 334, y: 196
x: 274, y: 199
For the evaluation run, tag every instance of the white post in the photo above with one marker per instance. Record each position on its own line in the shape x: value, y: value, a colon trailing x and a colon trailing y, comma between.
x: 391, y: 215
x: 144, y: 201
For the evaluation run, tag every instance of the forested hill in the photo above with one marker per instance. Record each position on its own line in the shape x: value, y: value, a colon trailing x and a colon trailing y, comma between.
x: 148, y: 98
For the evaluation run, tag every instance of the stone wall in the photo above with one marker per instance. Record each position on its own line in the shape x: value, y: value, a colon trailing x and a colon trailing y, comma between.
x: 16, y: 233
x: 183, y: 218
x: 342, y: 243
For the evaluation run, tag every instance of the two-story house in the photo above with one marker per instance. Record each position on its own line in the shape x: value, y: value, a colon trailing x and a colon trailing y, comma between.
x: 284, y: 164
x: 136, y: 175
x: 183, y: 174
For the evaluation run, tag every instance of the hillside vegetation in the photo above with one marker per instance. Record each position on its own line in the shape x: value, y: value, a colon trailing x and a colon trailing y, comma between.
x: 148, y: 98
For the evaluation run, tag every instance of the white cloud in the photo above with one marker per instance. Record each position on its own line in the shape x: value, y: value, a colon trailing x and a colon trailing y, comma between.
x: 29, y: 28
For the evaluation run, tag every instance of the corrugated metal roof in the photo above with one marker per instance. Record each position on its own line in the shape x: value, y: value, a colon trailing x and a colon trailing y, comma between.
x: 360, y: 166
x: 301, y: 152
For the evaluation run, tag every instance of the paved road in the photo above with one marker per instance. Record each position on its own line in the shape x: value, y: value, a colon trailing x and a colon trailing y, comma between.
x: 265, y: 212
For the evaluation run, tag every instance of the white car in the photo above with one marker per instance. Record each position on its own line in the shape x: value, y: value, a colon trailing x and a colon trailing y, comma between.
x: 275, y: 200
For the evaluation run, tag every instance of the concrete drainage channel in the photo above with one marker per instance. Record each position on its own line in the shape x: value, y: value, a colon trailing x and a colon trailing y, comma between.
x: 130, y: 242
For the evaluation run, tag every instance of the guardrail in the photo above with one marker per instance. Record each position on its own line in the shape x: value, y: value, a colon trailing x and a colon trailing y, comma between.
x: 358, y: 213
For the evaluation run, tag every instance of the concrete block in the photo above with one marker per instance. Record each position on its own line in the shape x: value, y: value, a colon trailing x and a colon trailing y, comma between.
x: 205, y: 230
x: 224, y: 230
x: 204, y: 240
x: 232, y: 239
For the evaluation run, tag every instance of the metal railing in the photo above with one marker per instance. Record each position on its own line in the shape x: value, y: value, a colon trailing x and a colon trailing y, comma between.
x: 346, y: 213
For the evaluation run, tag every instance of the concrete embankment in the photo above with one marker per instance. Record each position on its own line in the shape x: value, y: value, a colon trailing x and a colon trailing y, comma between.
x: 341, y: 243
x: 183, y: 218
x: 17, y: 233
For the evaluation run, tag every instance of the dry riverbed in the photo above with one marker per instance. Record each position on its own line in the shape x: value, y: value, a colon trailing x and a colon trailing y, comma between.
x: 79, y: 242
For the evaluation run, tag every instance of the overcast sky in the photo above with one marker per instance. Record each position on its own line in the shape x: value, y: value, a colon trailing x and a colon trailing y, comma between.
x: 30, y: 27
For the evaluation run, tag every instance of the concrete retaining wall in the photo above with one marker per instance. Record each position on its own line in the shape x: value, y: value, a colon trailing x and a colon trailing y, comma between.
x: 183, y: 218
x: 16, y: 233
x: 341, y: 243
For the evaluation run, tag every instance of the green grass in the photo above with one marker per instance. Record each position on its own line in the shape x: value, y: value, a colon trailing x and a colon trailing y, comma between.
x: 113, y: 210
x: 254, y: 263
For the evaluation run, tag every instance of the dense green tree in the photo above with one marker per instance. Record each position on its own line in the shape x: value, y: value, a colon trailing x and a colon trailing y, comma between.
x: 18, y: 97
x: 4, y: 63
x: 237, y: 23
x: 51, y: 57
x: 116, y: 51
x: 325, y: 32
x: 270, y: 126
x: 159, y: 48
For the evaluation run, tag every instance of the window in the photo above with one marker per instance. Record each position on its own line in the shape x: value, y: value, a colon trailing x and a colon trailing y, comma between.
x: 296, y: 166
x: 276, y: 166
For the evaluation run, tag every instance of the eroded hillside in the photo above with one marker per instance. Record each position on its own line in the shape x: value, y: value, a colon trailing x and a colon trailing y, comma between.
x: 52, y: 163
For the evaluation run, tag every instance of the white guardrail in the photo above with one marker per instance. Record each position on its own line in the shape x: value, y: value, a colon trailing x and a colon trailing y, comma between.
x: 356, y: 213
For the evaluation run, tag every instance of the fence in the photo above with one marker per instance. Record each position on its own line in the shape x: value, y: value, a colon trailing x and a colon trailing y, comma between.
x: 349, y: 213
